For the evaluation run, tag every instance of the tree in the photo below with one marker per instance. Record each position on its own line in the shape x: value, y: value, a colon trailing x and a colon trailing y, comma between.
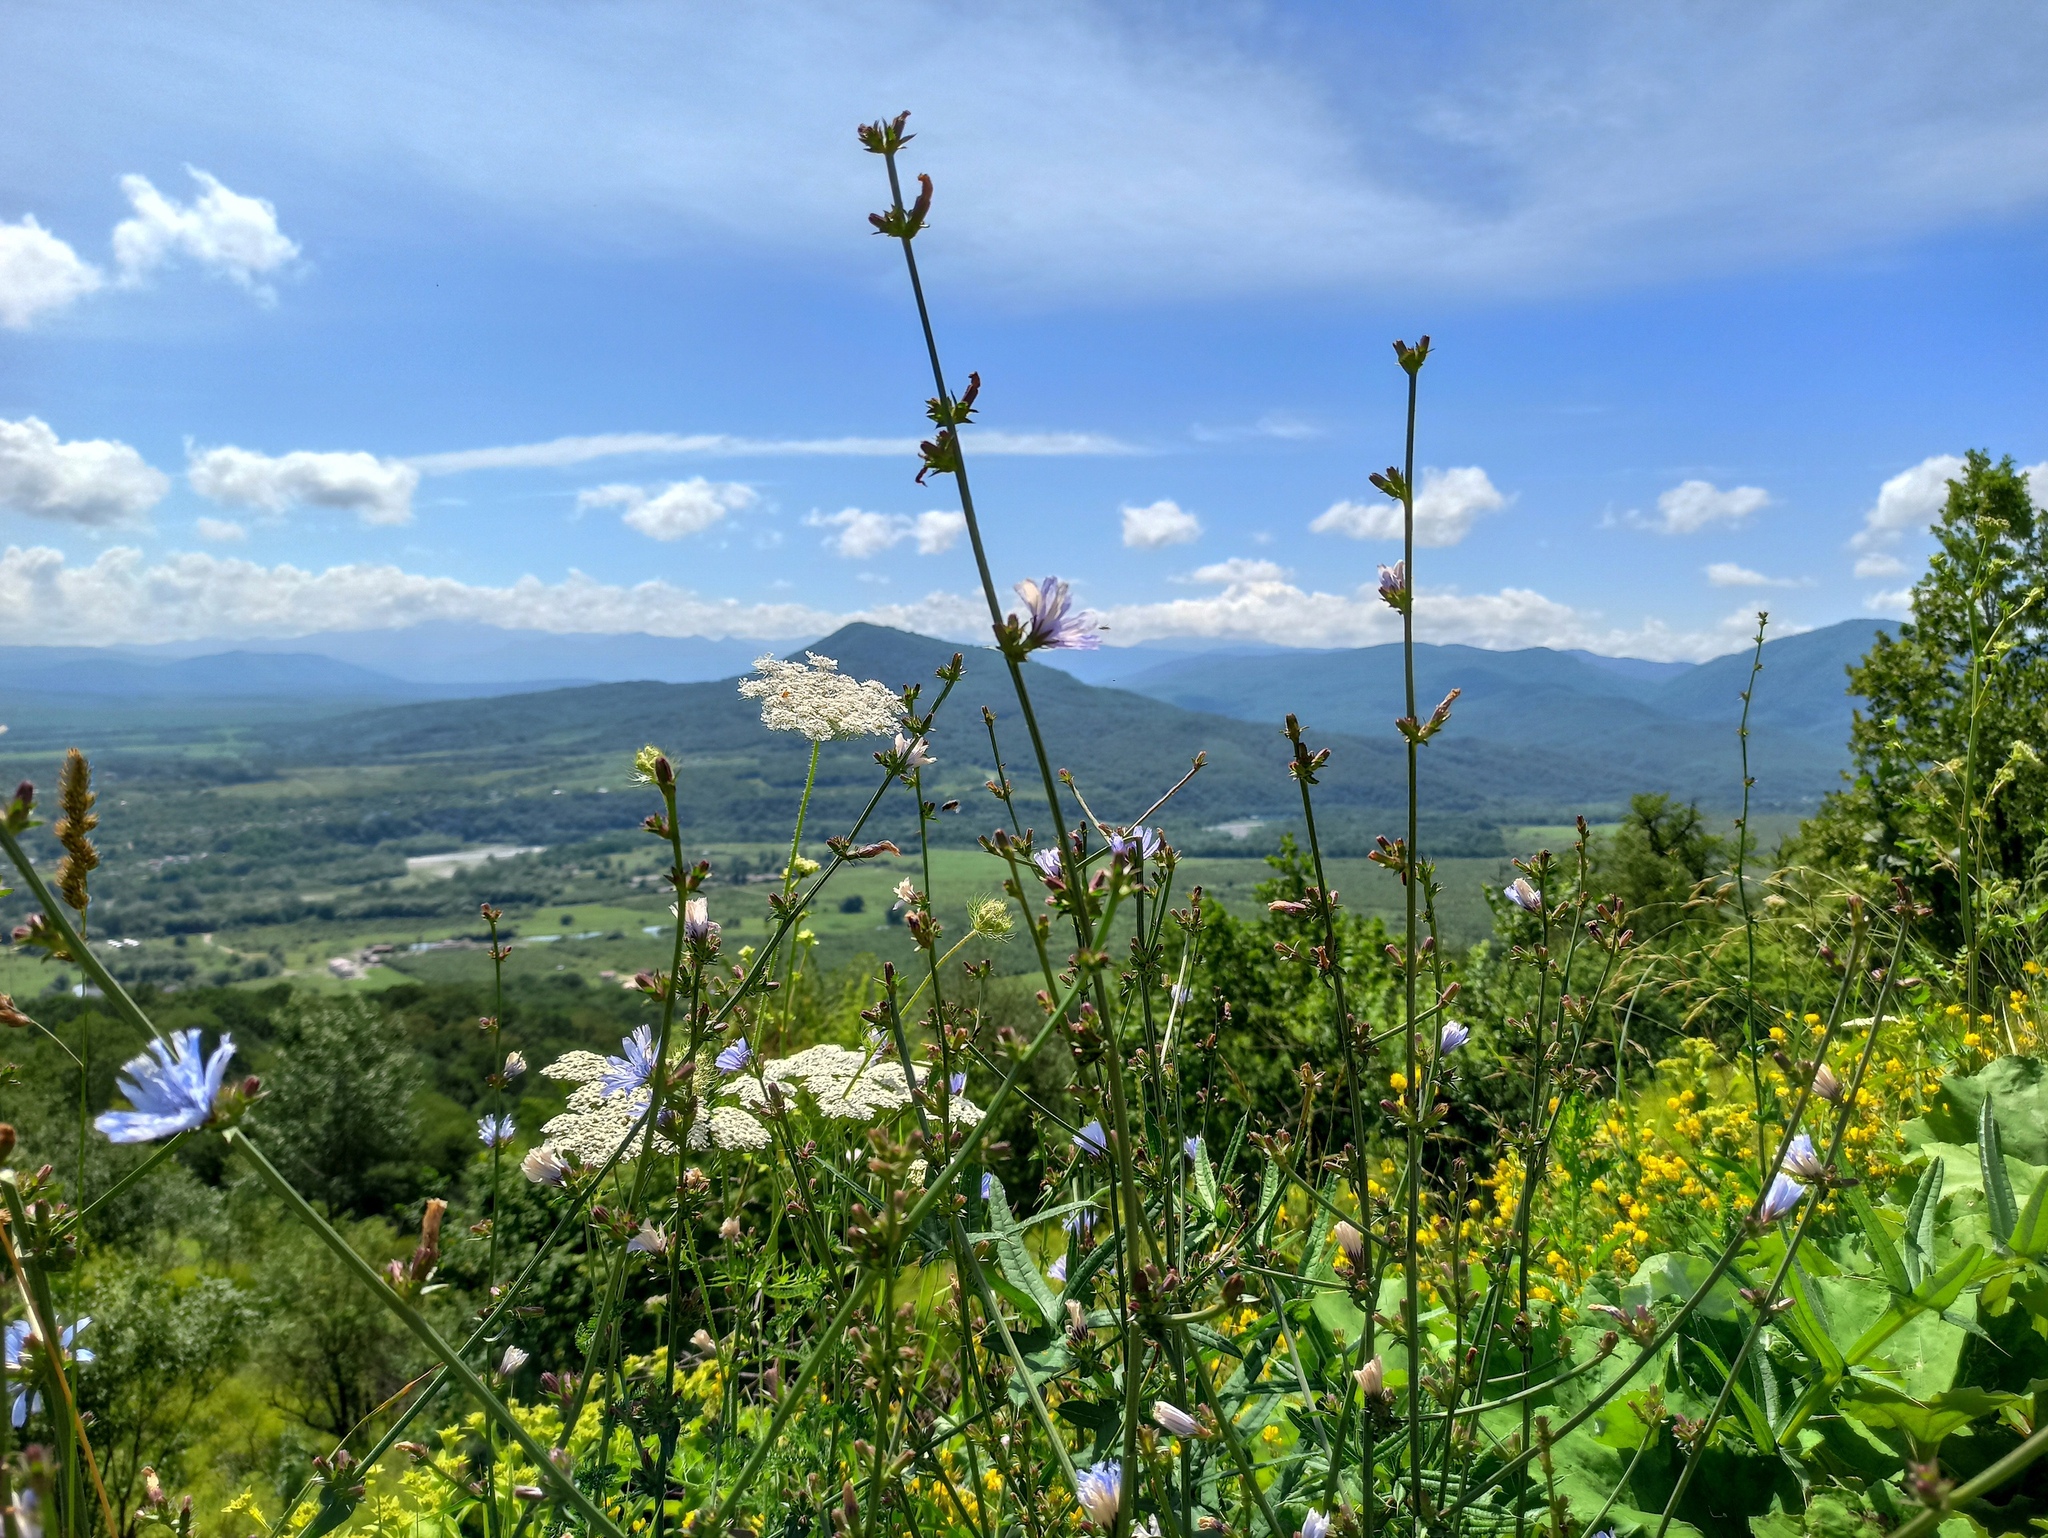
x: 338, y: 1114
x: 1947, y: 792
x: 1657, y: 857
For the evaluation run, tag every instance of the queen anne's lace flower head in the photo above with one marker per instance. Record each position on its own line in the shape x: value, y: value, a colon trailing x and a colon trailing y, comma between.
x: 818, y: 700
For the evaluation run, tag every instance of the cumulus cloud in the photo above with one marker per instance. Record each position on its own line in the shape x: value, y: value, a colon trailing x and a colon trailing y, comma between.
x: 378, y: 491
x: 674, y: 511
x: 1159, y: 524
x: 1691, y: 506
x: 558, y: 452
x: 1239, y: 569
x: 860, y: 535
x: 93, y: 482
x: 220, y: 530
x: 1446, y: 504
x: 39, y: 274
x: 124, y: 596
x: 1906, y: 504
x: 1880, y: 564
x: 222, y: 230
x: 1895, y: 604
x: 1729, y: 574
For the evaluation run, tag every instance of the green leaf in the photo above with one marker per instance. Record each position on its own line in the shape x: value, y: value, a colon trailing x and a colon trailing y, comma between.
x: 1205, y: 1179
x: 1998, y: 1199
x: 1947, y: 1284
x: 1083, y: 1270
x: 1270, y: 1187
x: 1882, y: 1250
x: 2030, y: 1233
x: 1920, y: 1211
x: 1810, y: 1326
x: 1015, y: 1260
x: 1882, y: 1406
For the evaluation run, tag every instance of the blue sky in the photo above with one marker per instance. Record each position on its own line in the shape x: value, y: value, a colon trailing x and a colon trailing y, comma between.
x: 1714, y: 291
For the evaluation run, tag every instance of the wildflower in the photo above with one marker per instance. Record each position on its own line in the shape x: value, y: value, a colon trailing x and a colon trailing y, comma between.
x: 990, y: 918
x: 1826, y: 1085
x: 1784, y: 1195
x: 1134, y: 845
x: 544, y: 1167
x: 1092, y: 1140
x: 625, y: 1074
x: 1171, y: 1418
x: 988, y: 1185
x: 1394, y: 585
x: 1049, y: 867
x: 1314, y: 1525
x: 957, y: 1084
x: 19, y: 1333
x: 1522, y: 895
x: 1452, y: 1037
x: 1100, y: 1488
x: 697, y: 925
x: 1191, y: 1146
x: 734, y: 1058
x: 515, y: 1065
x: 1372, y: 1378
x: 819, y: 701
x: 171, y: 1090
x: 1351, y: 1244
x: 651, y: 767
x: 1080, y: 1224
x: 652, y: 1239
x: 1054, y: 622
x: 495, y: 1130
x: 1802, y: 1161
x: 1057, y: 1271
x: 912, y: 753
x: 906, y: 893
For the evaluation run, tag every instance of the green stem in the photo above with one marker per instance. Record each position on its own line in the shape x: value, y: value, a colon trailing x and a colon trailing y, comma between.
x: 80, y: 953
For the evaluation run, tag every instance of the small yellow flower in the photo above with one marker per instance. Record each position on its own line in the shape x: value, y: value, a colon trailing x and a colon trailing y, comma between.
x: 1812, y: 1019
x: 1398, y: 1082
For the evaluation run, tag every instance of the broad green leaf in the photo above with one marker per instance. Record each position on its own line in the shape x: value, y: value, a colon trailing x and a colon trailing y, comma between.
x: 1920, y: 1212
x: 1998, y: 1198
x: 1015, y: 1260
x: 2021, y: 1087
x: 2030, y: 1232
x: 1881, y: 1405
x: 1809, y: 1324
x: 1879, y: 1238
x: 1205, y: 1179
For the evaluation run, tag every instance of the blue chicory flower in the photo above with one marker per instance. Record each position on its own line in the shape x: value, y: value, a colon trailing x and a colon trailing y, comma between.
x: 1054, y: 621
x: 1315, y: 1524
x: 735, y: 1058
x: 957, y: 1084
x: 1784, y: 1195
x: 1522, y: 895
x: 495, y: 1130
x: 1452, y: 1037
x: 1092, y: 1140
x: 1100, y: 1488
x: 28, y: 1401
x: 1192, y: 1146
x: 171, y: 1089
x: 1802, y: 1161
x: 628, y: 1073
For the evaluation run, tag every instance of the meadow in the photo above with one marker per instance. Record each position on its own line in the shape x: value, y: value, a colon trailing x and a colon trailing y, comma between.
x: 934, y: 1118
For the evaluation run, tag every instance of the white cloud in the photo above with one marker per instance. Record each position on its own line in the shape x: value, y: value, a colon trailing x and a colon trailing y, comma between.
x: 220, y: 530
x: 861, y: 535
x: 557, y: 452
x: 93, y: 482
x: 674, y: 511
x: 379, y: 491
x: 1879, y: 564
x: 1906, y: 504
x: 1239, y: 569
x: 1159, y: 524
x: 1556, y: 147
x: 1694, y: 505
x: 222, y: 230
x: 1446, y: 504
x: 1897, y: 604
x: 1729, y: 574
x: 125, y: 597
x: 39, y: 274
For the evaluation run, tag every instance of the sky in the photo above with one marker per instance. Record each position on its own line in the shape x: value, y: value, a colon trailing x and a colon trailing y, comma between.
x: 569, y: 317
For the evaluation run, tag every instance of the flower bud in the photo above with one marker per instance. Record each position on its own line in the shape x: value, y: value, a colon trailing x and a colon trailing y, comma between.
x: 6, y: 1139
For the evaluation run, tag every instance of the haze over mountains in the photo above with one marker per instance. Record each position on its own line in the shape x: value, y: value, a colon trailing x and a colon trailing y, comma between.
x: 1537, y: 736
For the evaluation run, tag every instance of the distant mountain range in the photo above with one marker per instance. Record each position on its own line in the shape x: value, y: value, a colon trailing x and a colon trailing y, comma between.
x: 1536, y: 736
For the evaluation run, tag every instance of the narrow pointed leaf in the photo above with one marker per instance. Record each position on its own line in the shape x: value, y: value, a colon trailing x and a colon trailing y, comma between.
x: 1014, y: 1260
x: 2030, y: 1233
x: 1879, y: 1238
x: 1920, y: 1212
x: 1998, y: 1198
